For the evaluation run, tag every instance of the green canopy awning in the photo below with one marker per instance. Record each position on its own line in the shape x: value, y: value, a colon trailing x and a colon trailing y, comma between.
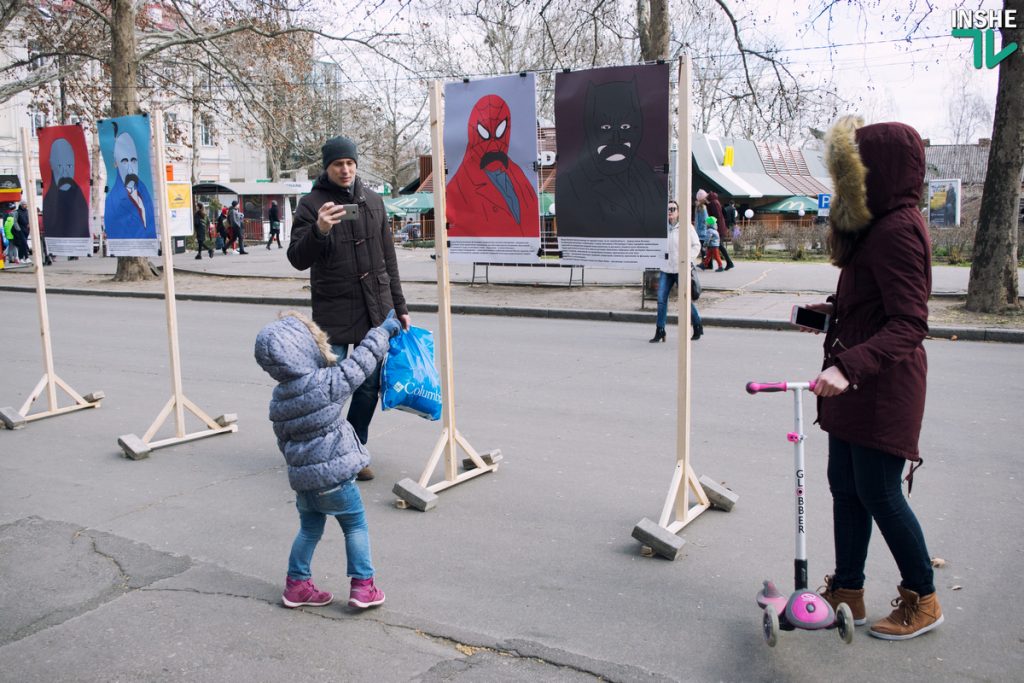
x: 417, y: 202
x: 791, y: 205
x: 547, y: 199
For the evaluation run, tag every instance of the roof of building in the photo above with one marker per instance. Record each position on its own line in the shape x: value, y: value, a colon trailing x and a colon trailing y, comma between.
x: 969, y: 163
x: 760, y: 169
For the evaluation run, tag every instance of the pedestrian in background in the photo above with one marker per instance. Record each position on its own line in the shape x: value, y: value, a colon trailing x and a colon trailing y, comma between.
x: 236, y: 219
x: 700, y: 220
x: 7, y: 221
x: 223, y: 237
x: 732, y: 215
x: 872, y: 387
x: 712, y: 246
x: 320, y: 447
x: 669, y: 275
x: 275, y: 225
x: 200, y: 226
x: 724, y: 231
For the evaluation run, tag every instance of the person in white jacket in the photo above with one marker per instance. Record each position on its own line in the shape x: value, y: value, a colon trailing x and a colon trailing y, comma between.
x: 670, y: 275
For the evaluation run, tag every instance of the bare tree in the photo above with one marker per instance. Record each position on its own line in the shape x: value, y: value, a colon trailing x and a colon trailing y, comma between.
x: 994, y: 285
x: 173, y: 36
x: 967, y: 111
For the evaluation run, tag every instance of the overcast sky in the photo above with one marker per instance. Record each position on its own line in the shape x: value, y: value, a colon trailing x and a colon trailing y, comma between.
x: 897, y: 80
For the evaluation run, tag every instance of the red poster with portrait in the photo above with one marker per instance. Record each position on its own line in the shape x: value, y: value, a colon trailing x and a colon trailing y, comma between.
x: 64, y: 168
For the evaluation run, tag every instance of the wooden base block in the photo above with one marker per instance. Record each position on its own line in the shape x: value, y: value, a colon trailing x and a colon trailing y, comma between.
x: 720, y: 496
x: 11, y: 418
x: 490, y: 457
x: 659, y: 539
x: 226, y: 419
x: 415, y: 495
x: 133, y: 447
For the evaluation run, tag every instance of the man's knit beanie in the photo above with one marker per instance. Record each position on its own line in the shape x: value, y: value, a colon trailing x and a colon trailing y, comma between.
x: 339, y: 148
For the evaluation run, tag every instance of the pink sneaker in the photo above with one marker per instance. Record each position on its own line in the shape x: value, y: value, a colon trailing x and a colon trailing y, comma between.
x: 364, y: 594
x: 298, y: 593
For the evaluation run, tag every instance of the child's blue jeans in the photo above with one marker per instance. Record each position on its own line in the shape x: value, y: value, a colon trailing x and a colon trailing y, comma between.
x: 346, y: 505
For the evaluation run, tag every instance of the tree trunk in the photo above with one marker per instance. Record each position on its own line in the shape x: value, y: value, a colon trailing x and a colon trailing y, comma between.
x: 197, y: 138
x: 993, y: 285
x: 652, y: 27
x: 124, y: 101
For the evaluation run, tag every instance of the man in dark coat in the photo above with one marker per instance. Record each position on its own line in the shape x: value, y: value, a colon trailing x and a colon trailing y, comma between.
x: 354, y: 271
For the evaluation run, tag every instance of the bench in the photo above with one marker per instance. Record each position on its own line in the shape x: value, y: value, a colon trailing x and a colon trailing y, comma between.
x: 487, y: 268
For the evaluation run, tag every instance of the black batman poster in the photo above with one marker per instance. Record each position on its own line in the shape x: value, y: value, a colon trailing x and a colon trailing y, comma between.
x: 611, y: 188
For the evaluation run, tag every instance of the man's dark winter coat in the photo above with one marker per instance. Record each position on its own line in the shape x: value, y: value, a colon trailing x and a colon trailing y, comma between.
x: 881, y: 302
x: 354, y: 276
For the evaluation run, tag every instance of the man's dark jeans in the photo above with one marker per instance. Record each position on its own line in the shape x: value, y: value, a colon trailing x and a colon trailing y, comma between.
x: 866, y: 485
x: 364, y: 399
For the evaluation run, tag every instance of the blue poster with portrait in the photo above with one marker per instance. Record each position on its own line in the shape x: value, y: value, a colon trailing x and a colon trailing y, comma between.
x: 129, y: 215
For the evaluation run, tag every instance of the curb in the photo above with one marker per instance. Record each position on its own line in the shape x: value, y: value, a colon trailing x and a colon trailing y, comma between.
x: 986, y: 334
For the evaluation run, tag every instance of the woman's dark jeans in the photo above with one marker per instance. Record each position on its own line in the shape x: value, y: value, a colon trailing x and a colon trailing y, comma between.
x: 866, y: 485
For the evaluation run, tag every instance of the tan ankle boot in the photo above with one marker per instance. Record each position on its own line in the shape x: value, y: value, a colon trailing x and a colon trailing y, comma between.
x: 854, y: 599
x: 913, y: 616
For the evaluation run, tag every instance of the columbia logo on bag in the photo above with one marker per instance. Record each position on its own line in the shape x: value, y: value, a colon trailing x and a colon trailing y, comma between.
x: 408, y: 388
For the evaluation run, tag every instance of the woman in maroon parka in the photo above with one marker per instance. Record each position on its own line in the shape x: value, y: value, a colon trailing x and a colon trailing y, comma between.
x: 872, y: 388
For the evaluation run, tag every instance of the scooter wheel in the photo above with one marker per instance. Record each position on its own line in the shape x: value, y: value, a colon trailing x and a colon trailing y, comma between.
x: 770, y: 625
x: 844, y: 622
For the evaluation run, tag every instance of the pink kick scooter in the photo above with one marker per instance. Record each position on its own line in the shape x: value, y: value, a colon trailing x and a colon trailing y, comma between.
x: 803, y: 609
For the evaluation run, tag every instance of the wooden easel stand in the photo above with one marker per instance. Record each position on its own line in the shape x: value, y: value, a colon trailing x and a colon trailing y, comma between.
x: 50, y: 381
x: 134, y: 447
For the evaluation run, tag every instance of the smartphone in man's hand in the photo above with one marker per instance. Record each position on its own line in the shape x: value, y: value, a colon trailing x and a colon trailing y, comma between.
x: 351, y: 212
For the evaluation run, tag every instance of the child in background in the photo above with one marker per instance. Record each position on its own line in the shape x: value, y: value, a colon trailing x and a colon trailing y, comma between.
x: 320, y: 446
x: 713, y: 242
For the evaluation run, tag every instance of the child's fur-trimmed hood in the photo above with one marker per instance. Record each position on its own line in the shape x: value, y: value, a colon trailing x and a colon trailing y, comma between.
x: 293, y: 345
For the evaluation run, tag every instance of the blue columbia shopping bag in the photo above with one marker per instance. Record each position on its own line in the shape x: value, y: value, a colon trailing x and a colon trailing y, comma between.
x: 410, y: 381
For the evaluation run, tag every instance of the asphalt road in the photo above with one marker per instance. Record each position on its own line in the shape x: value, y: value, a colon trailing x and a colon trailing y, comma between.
x: 170, y: 568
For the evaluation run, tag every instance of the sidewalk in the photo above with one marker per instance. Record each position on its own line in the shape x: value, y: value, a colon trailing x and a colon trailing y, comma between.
x: 754, y: 294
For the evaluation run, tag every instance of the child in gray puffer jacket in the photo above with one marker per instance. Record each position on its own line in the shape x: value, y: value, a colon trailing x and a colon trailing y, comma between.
x: 320, y: 446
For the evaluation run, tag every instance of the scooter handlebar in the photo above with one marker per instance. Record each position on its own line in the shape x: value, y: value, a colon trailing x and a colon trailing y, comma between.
x: 768, y: 387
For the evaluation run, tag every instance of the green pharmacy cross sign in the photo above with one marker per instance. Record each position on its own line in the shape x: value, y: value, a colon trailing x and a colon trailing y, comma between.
x: 980, y: 26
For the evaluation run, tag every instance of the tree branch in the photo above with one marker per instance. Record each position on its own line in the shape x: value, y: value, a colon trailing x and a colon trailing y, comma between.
x: 84, y: 4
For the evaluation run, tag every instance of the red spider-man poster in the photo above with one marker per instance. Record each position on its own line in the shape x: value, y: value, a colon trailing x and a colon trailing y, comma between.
x: 490, y: 144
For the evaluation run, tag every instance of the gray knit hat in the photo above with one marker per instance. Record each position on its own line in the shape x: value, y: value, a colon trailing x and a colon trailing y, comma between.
x: 339, y: 148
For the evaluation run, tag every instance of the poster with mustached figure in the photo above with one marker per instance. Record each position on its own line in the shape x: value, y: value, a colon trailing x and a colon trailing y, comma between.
x: 490, y: 147
x: 129, y: 217
x: 64, y: 168
x: 611, y: 191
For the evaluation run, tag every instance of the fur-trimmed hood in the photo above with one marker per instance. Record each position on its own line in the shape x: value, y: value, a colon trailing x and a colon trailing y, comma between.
x: 293, y: 346
x: 875, y: 169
